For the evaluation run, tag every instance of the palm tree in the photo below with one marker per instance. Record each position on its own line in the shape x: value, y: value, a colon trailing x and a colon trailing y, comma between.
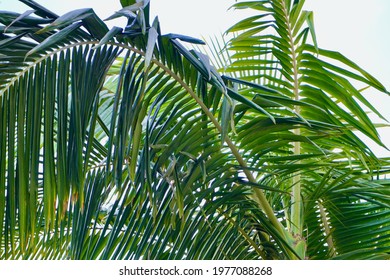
x: 125, y: 143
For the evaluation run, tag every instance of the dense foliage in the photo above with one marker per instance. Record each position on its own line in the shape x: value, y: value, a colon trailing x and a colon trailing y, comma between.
x: 126, y: 143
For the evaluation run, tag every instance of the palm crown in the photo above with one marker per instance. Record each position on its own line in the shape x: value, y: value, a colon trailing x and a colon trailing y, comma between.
x: 126, y: 143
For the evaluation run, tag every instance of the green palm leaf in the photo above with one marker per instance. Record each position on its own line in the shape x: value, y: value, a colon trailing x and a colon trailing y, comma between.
x: 277, y: 49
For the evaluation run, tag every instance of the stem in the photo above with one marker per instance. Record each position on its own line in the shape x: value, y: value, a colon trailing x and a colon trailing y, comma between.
x: 296, y: 201
x: 329, y: 239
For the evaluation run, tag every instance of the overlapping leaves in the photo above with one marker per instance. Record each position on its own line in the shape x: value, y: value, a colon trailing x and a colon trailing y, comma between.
x: 107, y: 149
x: 125, y: 144
x: 312, y: 142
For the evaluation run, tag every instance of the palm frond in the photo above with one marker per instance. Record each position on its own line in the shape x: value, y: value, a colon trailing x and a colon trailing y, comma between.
x: 108, y: 150
x: 312, y: 108
x: 128, y: 144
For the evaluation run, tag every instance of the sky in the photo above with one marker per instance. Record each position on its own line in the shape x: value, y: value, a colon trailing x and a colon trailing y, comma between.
x: 359, y: 30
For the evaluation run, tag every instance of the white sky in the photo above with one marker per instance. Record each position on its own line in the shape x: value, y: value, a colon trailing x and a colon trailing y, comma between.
x: 359, y: 30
